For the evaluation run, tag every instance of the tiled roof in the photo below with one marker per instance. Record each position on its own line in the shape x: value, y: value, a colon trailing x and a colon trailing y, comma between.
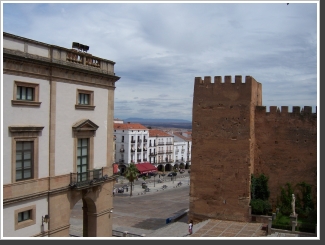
x: 157, y: 132
x: 182, y: 136
x: 134, y: 126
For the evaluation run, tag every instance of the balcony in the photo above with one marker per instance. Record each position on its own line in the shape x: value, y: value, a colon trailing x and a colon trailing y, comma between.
x: 139, y: 160
x: 132, y: 150
x: 144, y: 159
x: 169, y: 151
x: 121, y: 150
x: 121, y: 161
x: 88, y: 179
x: 161, y: 152
x: 169, y: 143
x: 153, y: 154
x: 139, y: 150
x: 183, y: 151
x: 161, y: 143
x: 132, y: 141
x: 152, y: 145
x: 144, y: 149
x: 145, y: 140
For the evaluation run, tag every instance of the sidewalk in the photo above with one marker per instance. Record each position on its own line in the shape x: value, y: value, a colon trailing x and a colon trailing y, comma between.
x: 152, y: 184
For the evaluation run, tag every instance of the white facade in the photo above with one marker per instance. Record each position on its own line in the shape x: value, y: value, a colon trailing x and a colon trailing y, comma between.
x: 161, y: 149
x: 131, y: 144
x: 50, y: 124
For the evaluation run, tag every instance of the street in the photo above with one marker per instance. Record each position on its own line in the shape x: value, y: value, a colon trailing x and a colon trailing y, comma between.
x: 143, y: 212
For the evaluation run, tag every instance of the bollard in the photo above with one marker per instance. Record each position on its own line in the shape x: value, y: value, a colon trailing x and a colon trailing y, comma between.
x: 269, y: 226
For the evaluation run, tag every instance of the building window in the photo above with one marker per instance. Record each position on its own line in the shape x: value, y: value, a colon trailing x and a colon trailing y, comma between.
x: 24, y: 160
x: 25, y: 149
x: 122, y: 138
x: 23, y: 216
x: 82, y: 159
x: 26, y: 94
x: 85, y: 99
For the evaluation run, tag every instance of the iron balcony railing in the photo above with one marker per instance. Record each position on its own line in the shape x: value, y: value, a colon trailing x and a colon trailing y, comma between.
x: 161, y: 143
x: 88, y: 178
x: 169, y: 143
x: 169, y: 151
x: 153, y: 154
x: 132, y: 141
x: 161, y: 152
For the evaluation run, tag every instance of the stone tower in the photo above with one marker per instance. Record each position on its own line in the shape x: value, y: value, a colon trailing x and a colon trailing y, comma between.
x: 223, y: 137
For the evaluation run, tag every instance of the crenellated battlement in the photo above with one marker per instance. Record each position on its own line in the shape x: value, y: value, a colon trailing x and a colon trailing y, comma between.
x: 227, y: 80
x: 284, y: 110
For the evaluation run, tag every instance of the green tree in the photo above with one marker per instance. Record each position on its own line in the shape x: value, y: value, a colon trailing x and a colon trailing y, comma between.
x: 305, y: 202
x: 260, y: 194
x: 285, y: 199
x: 131, y: 174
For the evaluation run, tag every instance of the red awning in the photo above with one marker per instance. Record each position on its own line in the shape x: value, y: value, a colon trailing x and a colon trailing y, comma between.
x: 145, y: 168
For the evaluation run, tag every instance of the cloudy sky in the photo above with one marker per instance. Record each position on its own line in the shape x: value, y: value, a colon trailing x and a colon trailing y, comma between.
x: 160, y: 47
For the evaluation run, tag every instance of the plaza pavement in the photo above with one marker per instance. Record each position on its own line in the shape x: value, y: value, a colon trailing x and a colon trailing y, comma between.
x: 210, y: 229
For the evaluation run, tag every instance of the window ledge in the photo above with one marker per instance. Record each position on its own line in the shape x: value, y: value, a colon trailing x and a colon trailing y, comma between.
x: 85, y: 107
x: 26, y: 103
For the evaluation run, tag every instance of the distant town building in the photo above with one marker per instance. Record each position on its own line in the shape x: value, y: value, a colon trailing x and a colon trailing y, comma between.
x: 58, y: 139
x: 116, y: 120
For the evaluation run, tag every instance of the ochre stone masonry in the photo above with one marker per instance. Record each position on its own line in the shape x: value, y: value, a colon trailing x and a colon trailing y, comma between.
x: 234, y: 137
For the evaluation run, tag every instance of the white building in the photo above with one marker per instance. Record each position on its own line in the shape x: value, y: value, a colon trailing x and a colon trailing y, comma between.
x: 131, y: 145
x: 57, y: 139
x: 182, y: 149
x: 161, y: 149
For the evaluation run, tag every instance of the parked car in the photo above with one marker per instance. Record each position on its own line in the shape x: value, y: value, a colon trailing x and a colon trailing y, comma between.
x: 171, y: 174
x: 181, y: 171
x: 120, y: 190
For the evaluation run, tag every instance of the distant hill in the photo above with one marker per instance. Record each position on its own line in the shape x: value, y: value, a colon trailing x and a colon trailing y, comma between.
x: 165, y: 123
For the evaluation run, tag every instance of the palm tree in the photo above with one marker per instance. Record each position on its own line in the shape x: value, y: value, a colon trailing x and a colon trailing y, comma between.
x: 131, y: 174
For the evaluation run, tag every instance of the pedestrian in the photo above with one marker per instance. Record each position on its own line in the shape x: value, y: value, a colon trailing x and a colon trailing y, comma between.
x: 114, y: 190
x: 190, y: 227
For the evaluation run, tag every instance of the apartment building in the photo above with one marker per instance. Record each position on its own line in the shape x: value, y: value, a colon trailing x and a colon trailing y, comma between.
x: 57, y: 138
x: 182, y: 149
x: 131, y: 145
x: 161, y: 148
